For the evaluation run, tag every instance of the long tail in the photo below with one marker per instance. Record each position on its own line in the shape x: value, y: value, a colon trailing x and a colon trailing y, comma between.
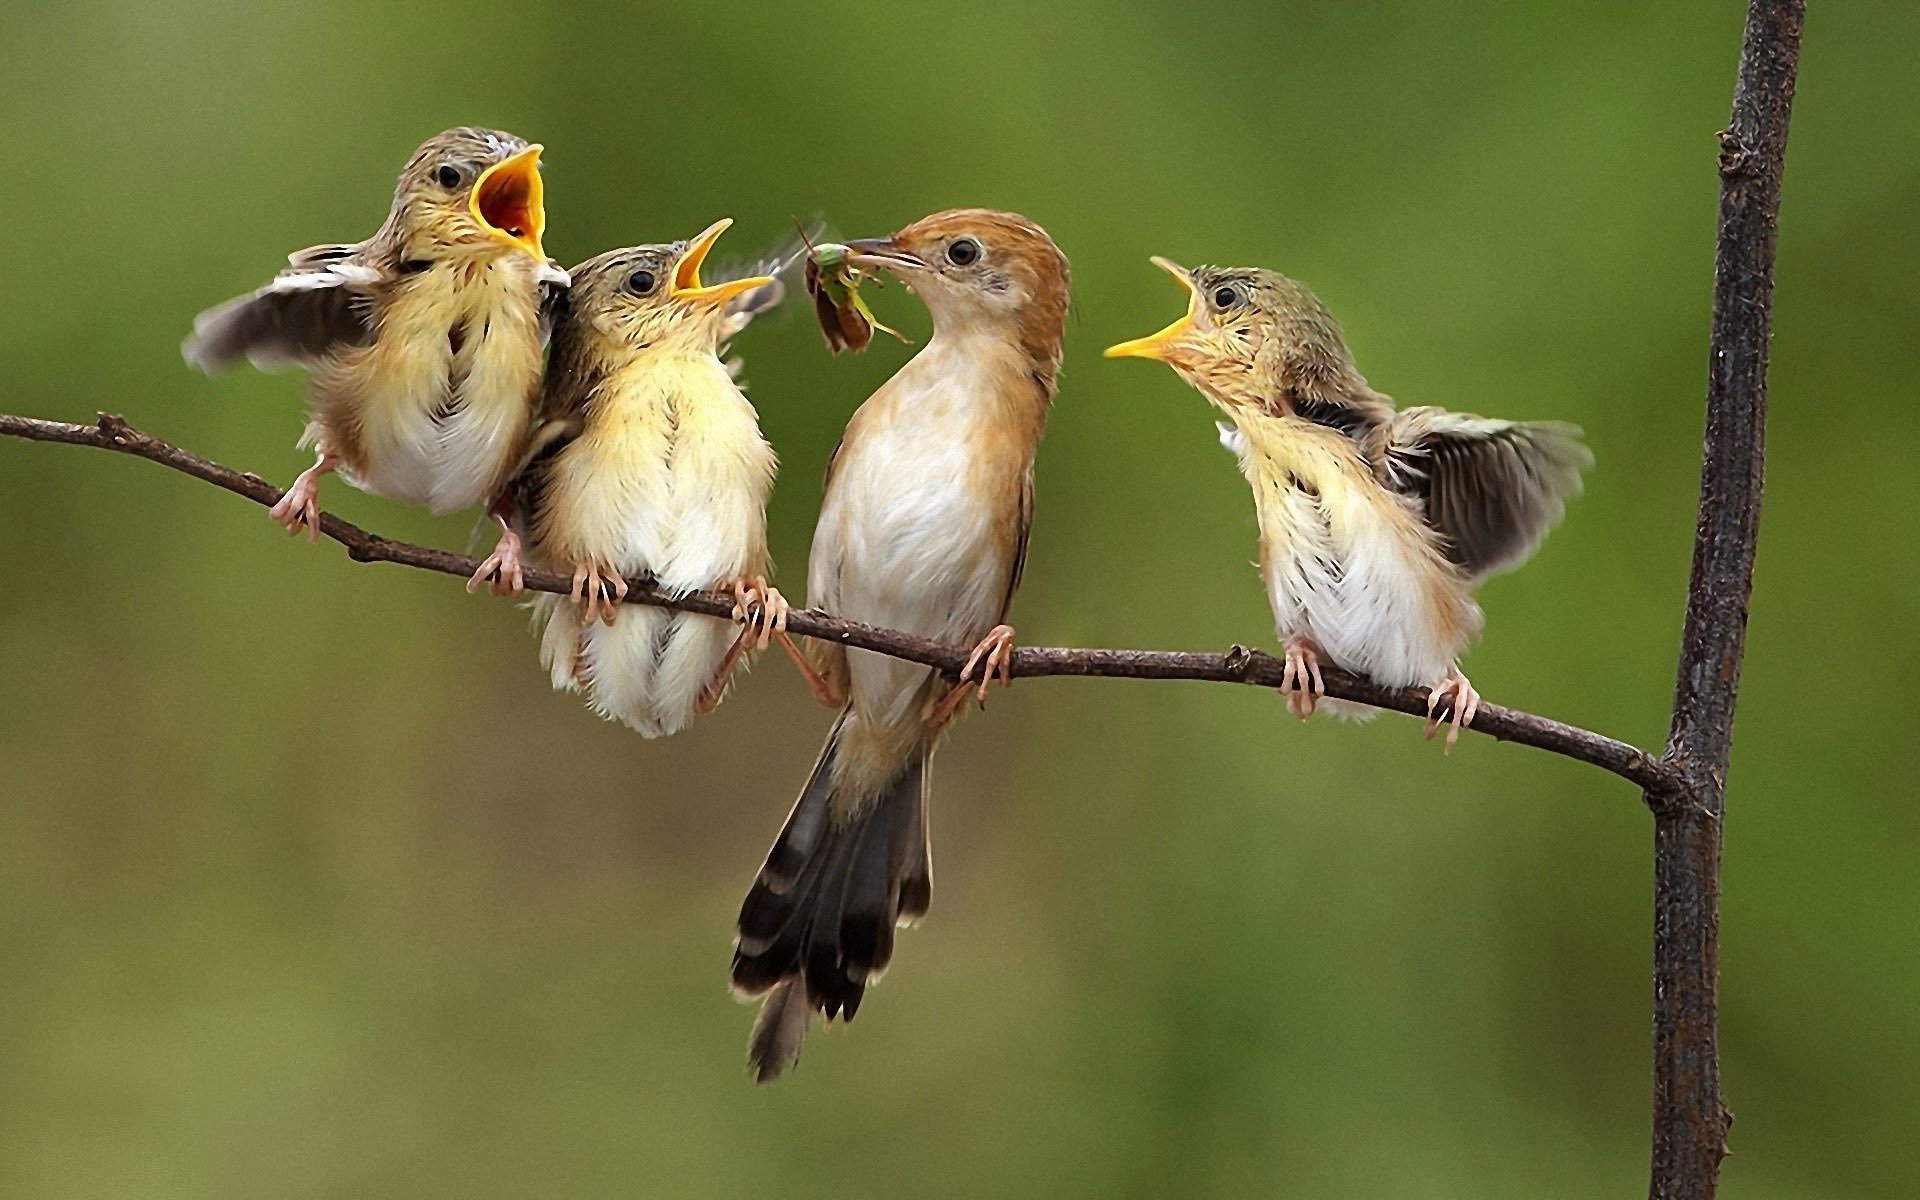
x: 851, y: 864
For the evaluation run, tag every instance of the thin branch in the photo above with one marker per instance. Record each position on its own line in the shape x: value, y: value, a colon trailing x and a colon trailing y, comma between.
x: 1238, y: 665
x: 1690, y: 1118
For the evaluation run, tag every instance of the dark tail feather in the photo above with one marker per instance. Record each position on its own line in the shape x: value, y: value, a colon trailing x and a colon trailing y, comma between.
x: 818, y: 924
x: 779, y: 1030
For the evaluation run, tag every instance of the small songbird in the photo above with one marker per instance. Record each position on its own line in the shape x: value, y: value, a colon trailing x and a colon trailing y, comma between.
x: 424, y: 343
x: 648, y: 462
x: 924, y: 529
x: 1375, y: 524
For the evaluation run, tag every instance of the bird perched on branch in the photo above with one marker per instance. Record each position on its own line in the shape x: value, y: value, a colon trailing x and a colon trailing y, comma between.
x: 425, y: 342
x: 648, y: 462
x: 924, y: 529
x: 1375, y: 524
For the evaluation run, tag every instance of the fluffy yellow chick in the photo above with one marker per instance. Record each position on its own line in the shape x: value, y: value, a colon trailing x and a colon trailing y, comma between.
x: 648, y: 463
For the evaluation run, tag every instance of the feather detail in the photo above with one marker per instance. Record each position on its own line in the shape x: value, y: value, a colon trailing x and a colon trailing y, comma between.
x: 1348, y: 564
x: 1491, y: 488
x: 321, y: 304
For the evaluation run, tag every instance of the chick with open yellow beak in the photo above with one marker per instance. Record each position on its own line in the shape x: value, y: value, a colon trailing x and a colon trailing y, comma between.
x: 648, y: 462
x: 1375, y: 523
x: 424, y: 343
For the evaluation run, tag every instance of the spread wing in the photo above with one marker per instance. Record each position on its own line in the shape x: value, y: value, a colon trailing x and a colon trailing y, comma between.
x: 1491, y: 488
x: 742, y: 309
x: 319, y: 303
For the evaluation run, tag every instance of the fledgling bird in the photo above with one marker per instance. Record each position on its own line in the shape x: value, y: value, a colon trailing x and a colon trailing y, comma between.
x: 1375, y: 524
x: 648, y: 462
x: 424, y: 343
x: 924, y: 529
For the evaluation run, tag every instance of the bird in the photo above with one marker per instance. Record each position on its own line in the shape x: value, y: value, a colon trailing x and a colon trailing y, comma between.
x: 1376, y: 523
x: 647, y: 462
x: 424, y: 344
x: 924, y: 529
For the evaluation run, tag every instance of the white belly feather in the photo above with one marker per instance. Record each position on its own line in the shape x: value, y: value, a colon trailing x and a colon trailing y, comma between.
x: 905, y: 540
x: 1347, y: 564
x: 443, y: 398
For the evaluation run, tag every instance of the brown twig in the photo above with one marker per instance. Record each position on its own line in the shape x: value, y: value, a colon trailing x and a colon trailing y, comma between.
x: 1238, y: 665
x: 1690, y: 1117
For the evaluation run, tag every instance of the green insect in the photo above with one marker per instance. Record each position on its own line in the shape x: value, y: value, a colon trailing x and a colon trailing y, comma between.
x: 834, y: 284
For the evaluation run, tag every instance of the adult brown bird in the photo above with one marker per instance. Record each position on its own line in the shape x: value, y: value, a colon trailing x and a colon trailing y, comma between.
x: 924, y: 529
x: 424, y: 343
x: 1375, y: 524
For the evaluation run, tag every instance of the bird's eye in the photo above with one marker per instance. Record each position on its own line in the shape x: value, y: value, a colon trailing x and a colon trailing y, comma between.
x: 1226, y: 297
x: 448, y: 176
x: 963, y: 252
x: 640, y: 283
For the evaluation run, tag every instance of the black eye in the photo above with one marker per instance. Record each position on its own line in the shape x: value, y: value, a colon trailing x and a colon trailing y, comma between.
x: 1226, y: 297
x: 963, y: 252
x: 448, y: 177
x: 640, y: 282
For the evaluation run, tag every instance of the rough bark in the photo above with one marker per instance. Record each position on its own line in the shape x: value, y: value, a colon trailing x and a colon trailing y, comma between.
x: 1690, y: 1117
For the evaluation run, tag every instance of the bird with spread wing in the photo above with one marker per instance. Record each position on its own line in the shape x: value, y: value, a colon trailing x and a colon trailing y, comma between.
x: 424, y: 343
x: 1375, y: 523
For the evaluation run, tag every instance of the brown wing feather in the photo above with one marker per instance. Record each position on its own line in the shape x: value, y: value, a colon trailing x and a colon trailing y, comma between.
x: 1025, y: 533
x: 318, y: 304
x: 1491, y: 488
x: 566, y: 399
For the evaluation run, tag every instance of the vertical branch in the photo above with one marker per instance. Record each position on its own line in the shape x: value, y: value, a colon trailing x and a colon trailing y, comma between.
x: 1690, y: 1120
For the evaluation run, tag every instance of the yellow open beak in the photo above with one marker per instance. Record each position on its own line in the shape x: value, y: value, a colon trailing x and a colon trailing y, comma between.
x: 510, y: 202
x: 1161, y: 344
x: 686, y: 272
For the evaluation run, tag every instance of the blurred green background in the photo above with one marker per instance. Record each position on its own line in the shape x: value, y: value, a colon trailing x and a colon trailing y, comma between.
x: 309, y: 887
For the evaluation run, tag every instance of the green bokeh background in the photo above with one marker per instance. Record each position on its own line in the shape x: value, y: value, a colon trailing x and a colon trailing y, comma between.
x: 309, y: 887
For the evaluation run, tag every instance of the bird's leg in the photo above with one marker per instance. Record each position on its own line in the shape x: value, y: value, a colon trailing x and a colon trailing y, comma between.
x: 759, y: 606
x: 994, y: 655
x: 300, y: 504
x: 598, y: 592
x: 753, y: 600
x: 1462, y: 702
x: 716, y: 687
x: 1300, y: 682
x: 763, y: 610
x: 503, y: 566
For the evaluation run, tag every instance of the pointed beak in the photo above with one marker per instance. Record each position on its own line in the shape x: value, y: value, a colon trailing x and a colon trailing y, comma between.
x: 1161, y: 345
x: 686, y: 272
x: 883, y: 253
x: 509, y: 201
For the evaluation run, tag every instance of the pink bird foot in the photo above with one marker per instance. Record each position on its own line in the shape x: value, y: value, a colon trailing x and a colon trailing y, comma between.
x: 300, y: 504
x: 1462, y: 701
x: 503, y: 568
x: 1300, y: 682
x: 993, y: 656
x: 598, y: 592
